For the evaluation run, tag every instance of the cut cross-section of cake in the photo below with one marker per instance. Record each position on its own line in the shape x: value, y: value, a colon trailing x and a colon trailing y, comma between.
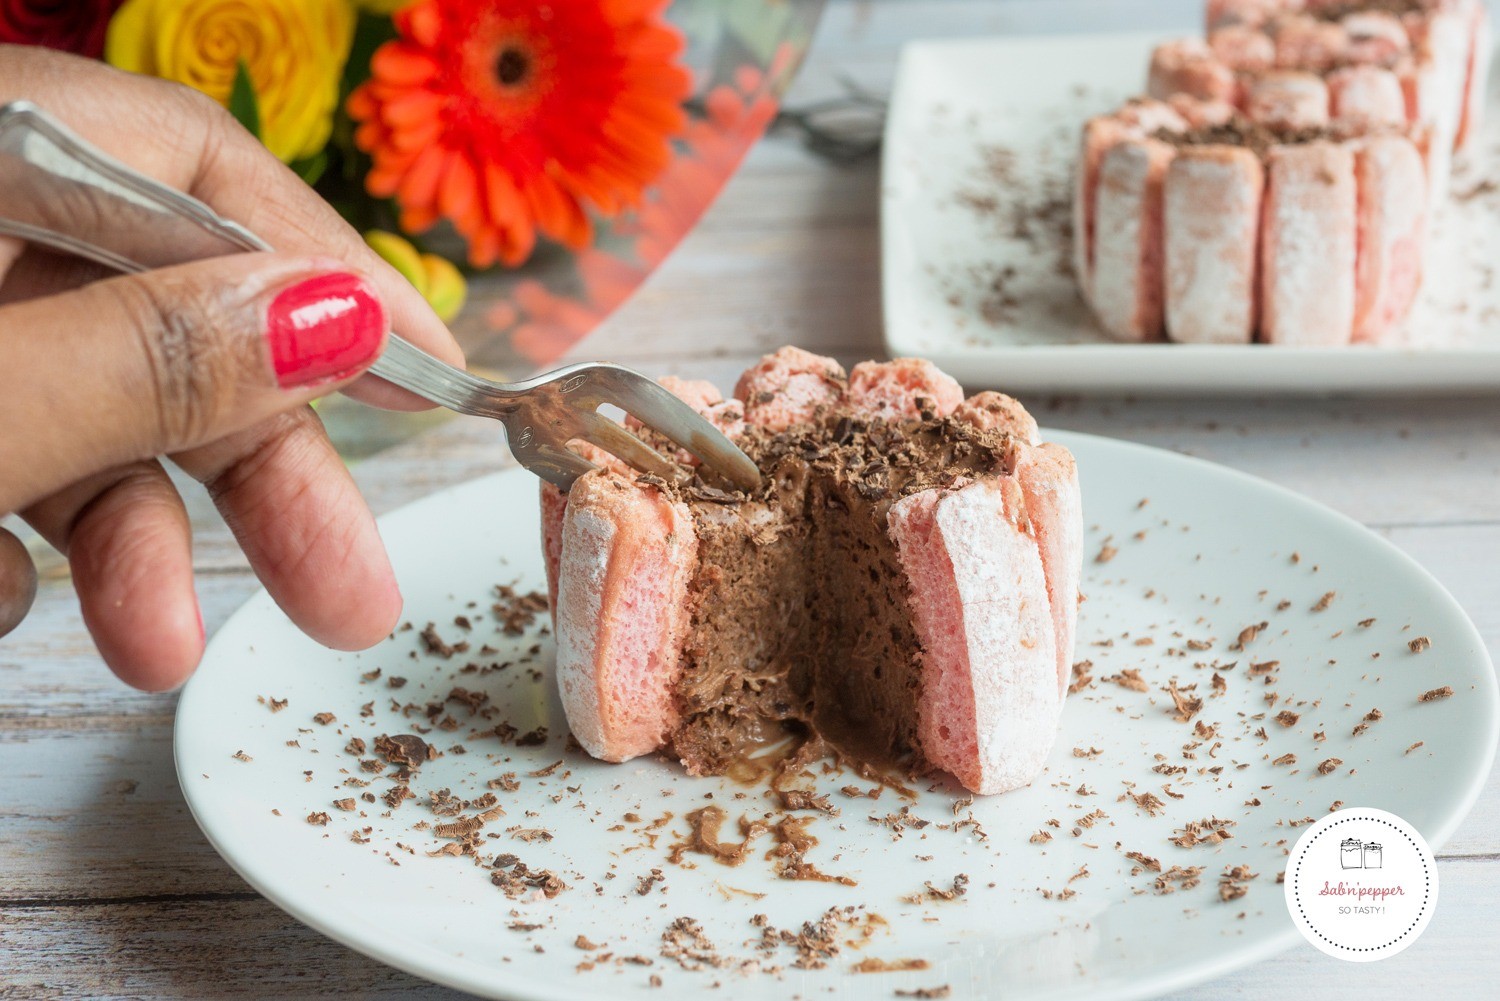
x: 904, y: 587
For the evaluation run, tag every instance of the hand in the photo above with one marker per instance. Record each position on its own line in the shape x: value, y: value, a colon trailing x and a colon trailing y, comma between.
x: 211, y: 365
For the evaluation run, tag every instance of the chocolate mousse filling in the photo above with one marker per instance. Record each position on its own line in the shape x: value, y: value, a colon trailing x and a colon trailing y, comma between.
x: 801, y: 623
x: 1339, y: 11
x: 1257, y: 137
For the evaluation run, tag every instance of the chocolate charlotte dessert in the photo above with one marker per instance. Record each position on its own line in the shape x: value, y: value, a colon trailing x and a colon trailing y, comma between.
x: 1198, y: 224
x: 903, y: 587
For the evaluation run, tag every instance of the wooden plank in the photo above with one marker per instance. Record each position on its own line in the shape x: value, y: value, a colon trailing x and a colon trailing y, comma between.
x: 158, y: 949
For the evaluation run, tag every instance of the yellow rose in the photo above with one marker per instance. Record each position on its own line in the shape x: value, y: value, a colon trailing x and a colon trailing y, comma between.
x: 439, y: 281
x: 294, y: 51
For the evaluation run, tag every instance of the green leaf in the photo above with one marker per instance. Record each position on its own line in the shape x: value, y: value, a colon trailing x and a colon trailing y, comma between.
x: 242, y: 103
x: 311, y: 168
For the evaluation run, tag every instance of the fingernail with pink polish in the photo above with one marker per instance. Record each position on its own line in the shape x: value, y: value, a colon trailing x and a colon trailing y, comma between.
x: 324, y: 329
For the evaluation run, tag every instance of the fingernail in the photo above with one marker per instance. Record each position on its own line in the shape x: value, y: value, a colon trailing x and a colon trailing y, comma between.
x: 324, y: 329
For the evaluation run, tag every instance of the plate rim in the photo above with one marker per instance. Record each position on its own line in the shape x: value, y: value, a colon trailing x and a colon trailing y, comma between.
x: 424, y: 962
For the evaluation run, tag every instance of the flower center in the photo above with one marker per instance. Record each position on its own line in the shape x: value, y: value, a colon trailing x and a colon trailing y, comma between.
x: 512, y: 66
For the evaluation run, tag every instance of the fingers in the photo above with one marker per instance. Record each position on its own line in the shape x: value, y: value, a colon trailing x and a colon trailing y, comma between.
x: 130, y: 368
x: 197, y: 147
x: 307, y: 532
x: 17, y: 582
x: 36, y: 271
x: 10, y: 249
x: 127, y: 537
x: 244, y: 183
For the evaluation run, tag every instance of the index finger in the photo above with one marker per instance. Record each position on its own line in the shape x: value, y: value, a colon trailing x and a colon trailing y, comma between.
x: 185, y: 140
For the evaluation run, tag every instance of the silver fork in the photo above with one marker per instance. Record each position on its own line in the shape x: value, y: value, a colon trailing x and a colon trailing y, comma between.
x: 61, y: 192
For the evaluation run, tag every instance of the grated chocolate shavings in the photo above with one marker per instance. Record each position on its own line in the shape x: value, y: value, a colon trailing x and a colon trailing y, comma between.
x: 1208, y: 831
x: 404, y: 749
x: 1432, y: 695
x: 1234, y: 882
x: 1178, y: 878
x: 1185, y: 706
x: 1247, y: 636
x: 517, y: 880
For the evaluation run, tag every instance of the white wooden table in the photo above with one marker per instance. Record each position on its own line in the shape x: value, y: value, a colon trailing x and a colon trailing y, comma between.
x: 108, y: 889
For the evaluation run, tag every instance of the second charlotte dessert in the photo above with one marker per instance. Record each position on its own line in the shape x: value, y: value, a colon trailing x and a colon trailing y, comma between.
x: 1198, y: 223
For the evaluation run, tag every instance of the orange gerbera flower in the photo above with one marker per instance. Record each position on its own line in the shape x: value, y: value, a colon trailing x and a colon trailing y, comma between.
x: 508, y: 117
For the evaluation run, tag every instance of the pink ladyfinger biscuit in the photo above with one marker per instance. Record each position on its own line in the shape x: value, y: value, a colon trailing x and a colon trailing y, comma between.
x: 1127, y: 280
x: 1137, y: 118
x: 1211, y: 222
x: 1251, y: 13
x: 1287, y: 98
x: 990, y: 700
x: 1308, y: 245
x: 1243, y: 49
x: 1392, y: 223
x: 1048, y: 476
x: 1306, y: 43
x: 1199, y: 114
x: 1422, y: 85
x: 1189, y: 66
x: 1375, y: 37
x: 788, y: 387
x: 622, y: 613
x: 1099, y: 134
x: 1368, y: 96
x: 1481, y: 52
x: 899, y: 389
x: 991, y: 411
x: 1443, y: 55
x: 554, y: 503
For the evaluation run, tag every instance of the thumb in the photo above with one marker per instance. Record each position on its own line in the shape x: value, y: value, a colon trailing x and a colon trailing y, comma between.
x: 135, y: 367
x: 17, y: 582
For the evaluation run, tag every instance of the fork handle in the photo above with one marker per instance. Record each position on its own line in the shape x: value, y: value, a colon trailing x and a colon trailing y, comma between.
x: 60, y: 191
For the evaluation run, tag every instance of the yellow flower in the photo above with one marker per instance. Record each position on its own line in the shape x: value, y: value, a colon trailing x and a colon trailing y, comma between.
x: 294, y: 51
x: 439, y: 281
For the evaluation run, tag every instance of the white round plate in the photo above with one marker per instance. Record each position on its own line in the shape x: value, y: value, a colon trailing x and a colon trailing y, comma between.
x: 1200, y: 553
